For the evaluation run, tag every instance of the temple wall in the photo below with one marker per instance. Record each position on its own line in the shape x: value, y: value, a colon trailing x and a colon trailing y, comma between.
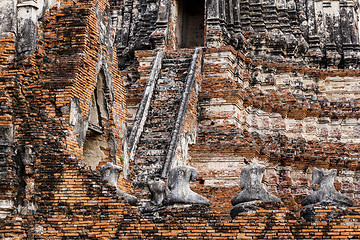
x: 275, y: 83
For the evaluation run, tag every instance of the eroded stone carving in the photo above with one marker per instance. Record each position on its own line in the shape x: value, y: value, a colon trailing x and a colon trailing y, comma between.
x: 111, y: 172
x: 252, y: 190
x: 324, y: 193
x: 158, y: 190
x: 179, y: 186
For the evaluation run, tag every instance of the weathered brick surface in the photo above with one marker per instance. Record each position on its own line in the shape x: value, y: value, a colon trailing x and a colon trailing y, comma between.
x: 232, y: 128
x: 289, y: 116
x: 9, y: 181
x: 37, y: 92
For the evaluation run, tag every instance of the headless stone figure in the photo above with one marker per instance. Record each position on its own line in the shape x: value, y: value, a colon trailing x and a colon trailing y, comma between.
x: 324, y: 193
x: 179, y: 185
x: 158, y: 193
x: 111, y: 173
x: 252, y: 190
x: 158, y: 190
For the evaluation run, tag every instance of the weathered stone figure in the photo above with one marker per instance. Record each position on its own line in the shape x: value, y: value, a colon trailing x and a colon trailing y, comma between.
x: 324, y: 193
x: 179, y: 185
x: 252, y: 190
x: 158, y: 190
x: 111, y: 172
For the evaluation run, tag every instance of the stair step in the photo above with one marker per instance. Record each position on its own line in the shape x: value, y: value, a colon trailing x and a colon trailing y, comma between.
x: 150, y: 138
x: 166, y: 117
x: 177, y: 60
x: 175, y: 66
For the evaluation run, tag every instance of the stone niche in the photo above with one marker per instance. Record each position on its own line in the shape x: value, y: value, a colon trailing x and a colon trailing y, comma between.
x: 96, y: 146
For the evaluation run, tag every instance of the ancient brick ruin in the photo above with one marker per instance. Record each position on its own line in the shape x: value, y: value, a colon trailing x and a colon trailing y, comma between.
x: 156, y: 119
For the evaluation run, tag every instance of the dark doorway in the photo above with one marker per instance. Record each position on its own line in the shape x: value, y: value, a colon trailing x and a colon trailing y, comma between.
x: 190, y: 23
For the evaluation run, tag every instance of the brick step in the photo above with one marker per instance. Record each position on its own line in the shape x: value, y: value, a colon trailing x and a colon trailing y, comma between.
x: 173, y: 76
x: 161, y: 96
x: 149, y: 159
x: 167, y: 79
x: 156, y: 133
x: 166, y: 117
x: 177, y: 59
x: 149, y: 152
x: 148, y: 140
x: 167, y: 67
x: 144, y: 156
x: 156, y: 119
x: 174, y: 68
x: 146, y: 153
x: 152, y: 144
x: 157, y: 113
x: 157, y: 128
x: 144, y: 159
x: 169, y: 90
x: 176, y: 62
x: 184, y: 52
x: 153, y: 121
x: 175, y: 81
x: 162, y: 110
x: 159, y: 123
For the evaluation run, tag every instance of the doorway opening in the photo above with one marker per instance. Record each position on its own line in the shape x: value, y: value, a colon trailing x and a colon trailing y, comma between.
x: 190, y: 23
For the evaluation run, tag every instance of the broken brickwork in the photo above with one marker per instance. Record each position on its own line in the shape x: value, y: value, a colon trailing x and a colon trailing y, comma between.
x: 46, y: 102
x: 270, y: 81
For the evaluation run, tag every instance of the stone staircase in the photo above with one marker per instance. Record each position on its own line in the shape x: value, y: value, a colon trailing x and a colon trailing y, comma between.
x: 153, y: 144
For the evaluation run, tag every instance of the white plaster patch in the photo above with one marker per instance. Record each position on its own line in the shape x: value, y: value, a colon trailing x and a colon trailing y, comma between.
x: 6, y: 206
